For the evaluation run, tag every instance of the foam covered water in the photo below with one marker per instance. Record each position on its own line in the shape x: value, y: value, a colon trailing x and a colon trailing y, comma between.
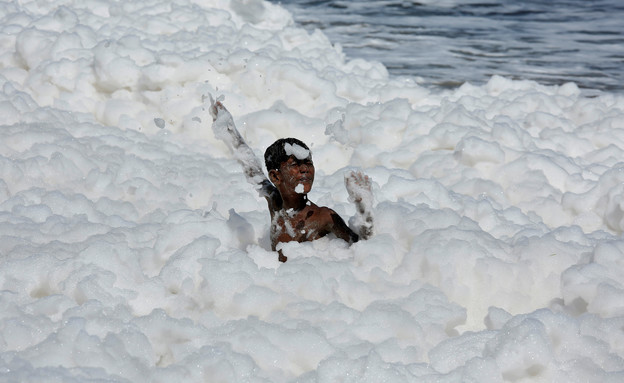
x: 132, y: 249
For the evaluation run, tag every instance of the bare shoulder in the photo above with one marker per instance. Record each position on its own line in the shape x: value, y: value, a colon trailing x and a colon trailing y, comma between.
x: 323, y: 212
x: 332, y: 220
x: 320, y: 217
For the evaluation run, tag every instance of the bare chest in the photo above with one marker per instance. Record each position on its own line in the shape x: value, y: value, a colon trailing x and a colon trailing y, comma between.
x: 305, y: 225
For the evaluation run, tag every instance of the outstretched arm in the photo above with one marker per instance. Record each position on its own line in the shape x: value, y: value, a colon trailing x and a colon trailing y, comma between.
x: 225, y: 130
x: 359, y: 189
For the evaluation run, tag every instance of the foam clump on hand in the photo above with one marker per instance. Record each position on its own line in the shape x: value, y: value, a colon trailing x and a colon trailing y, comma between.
x: 223, y: 122
x: 359, y: 187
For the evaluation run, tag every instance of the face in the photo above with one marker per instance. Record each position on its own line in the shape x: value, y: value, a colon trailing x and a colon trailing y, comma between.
x: 295, y: 172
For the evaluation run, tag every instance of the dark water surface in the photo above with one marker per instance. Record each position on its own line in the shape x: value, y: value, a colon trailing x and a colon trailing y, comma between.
x: 549, y: 42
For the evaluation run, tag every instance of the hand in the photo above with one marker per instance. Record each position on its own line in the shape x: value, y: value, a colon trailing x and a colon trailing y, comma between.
x: 223, y: 124
x: 360, y: 191
x: 359, y: 187
x: 216, y: 107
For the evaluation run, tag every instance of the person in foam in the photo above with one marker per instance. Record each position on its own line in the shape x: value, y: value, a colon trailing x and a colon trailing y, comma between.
x: 291, y: 174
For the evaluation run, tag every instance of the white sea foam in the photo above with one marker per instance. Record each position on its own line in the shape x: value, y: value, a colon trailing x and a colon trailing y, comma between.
x: 133, y: 249
x: 298, y: 151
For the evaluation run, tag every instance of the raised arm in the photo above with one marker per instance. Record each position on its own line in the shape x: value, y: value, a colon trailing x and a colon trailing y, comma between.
x: 359, y: 189
x: 225, y: 130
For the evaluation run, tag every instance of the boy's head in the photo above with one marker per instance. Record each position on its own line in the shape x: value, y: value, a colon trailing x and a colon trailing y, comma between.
x: 281, y: 150
x: 290, y: 166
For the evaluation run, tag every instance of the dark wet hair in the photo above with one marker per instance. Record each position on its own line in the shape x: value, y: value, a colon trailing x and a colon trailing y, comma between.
x: 276, y: 154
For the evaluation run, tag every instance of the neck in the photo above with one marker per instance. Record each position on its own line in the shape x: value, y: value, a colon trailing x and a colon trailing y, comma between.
x: 295, y: 202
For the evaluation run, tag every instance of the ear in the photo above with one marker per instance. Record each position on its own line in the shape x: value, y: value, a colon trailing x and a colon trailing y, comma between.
x: 275, y: 176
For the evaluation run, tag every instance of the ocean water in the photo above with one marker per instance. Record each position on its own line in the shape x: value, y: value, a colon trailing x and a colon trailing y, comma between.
x: 447, y: 43
x: 132, y: 248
